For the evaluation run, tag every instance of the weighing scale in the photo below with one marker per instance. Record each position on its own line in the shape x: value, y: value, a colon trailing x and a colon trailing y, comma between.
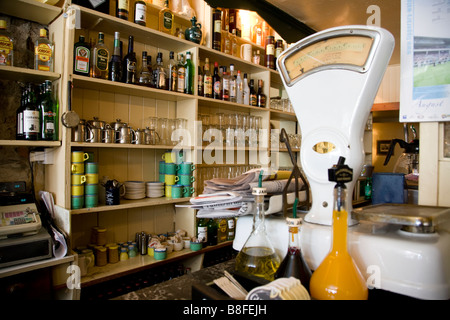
x: 332, y: 78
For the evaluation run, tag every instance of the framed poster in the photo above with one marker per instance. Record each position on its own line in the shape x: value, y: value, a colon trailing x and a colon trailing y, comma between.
x: 425, y: 61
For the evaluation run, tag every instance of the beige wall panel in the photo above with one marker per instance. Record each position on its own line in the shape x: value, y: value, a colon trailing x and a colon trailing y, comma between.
x: 90, y: 104
x: 106, y: 106
x: 81, y: 229
x: 121, y: 107
x: 135, y: 164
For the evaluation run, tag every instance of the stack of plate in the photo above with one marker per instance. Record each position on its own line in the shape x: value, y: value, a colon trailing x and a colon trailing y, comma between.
x: 155, y: 189
x: 134, y: 190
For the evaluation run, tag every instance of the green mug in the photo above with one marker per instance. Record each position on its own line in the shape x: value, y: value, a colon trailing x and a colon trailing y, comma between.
x: 90, y: 200
x: 171, y: 168
x: 186, y: 168
x: 162, y: 177
x: 188, y: 190
x: 91, y: 189
x: 177, y: 191
x: 162, y: 167
x: 77, y: 202
x: 186, y: 179
x: 91, y: 167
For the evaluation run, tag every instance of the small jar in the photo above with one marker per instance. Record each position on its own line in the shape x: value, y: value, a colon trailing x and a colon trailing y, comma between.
x: 131, y: 251
x: 113, y: 254
x: 101, y: 236
x: 101, y: 258
x: 123, y: 254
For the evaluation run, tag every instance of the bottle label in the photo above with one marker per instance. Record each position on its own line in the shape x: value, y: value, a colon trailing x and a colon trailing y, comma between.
x: 131, y: 66
x: 218, y: 26
x: 217, y: 87
x: 270, y: 49
x: 102, y: 59
x: 141, y: 13
x: 123, y: 5
x: 233, y: 89
x: 208, y: 85
x: 43, y: 52
x: 82, y: 55
x: 6, y: 46
x: 202, y: 234
x: 30, y: 121
x: 181, y: 79
x: 167, y: 20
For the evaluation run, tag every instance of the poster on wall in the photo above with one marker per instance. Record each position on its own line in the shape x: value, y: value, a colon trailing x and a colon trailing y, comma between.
x: 425, y: 61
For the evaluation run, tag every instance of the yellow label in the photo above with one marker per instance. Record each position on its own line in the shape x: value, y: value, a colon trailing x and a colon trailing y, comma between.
x: 5, y: 44
x: 43, y: 52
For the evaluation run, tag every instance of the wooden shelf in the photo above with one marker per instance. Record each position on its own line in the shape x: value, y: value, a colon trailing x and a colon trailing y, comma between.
x: 27, y: 75
x: 282, y: 115
x: 140, y: 263
x: 125, y: 146
x: 388, y: 106
x: 30, y: 10
x: 130, y: 204
x: 221, y: 104
x: 35, y: 265
x: 128, y: 89
x: 28, y: 143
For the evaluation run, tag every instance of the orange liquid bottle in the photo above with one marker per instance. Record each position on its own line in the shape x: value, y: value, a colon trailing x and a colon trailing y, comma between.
x: 338, y: 277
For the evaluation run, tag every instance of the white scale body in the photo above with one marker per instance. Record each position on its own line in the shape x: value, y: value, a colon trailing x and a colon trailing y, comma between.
x: 332, y: 78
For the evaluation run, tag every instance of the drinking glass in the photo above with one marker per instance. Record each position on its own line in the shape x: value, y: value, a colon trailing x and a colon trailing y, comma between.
x: 163, y: 128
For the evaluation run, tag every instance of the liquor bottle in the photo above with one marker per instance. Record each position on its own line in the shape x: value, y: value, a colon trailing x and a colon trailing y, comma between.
x: 257, y: 28
x: 31, y: 117
x: 257, y: 256
x: 233, y: 84
x: 217, y: 82
x: 225, y: 85
x: 100, y: 58
x: 293, y: 264
x: 122, y: 9
x: 253, y: 97
x: 278, y: 49
x: 145, y: 75
x: 190, y: 74
x: 43, y: 52
x: 256, y: 58
x: 6, y: 46
x: 115, y: 65
x: 19, y: 114
x: 140, y: 12
x: 160, y: 73
x: 217, y: 29
x: 212, y: 232
x: 200, y: 88
x: 368, y: 189
x: 181, y: 80
x: 260, y: 96
x: 202, y: 231
x: 239, y: 88
x: 270, y: 52
x: 246, y: 91
x: 207, y: 80
x: 81, y: 57
x: 172, y: 70
x: 232, y: 18
x: 234, y: 44
x: 328, y: 281
x: 230, y: 229
x: 226, y: 41
x: 166, y: 19
x: 48, y: 114
x: 129, y: 63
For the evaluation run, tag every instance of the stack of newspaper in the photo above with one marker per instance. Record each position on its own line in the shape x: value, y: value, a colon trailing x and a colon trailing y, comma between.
x: 223, y: 198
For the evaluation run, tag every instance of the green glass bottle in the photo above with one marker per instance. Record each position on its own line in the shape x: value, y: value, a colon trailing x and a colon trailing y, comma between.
x: 48, y: 113
x: 190, y: 74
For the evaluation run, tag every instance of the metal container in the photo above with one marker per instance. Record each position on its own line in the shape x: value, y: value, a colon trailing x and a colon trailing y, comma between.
x: 79, y: 132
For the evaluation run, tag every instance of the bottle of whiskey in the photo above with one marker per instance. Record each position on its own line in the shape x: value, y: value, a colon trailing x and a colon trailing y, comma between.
x: 19, y: 114
x: 115, y: 65
x: 207, y: 80
x: 160, y: 73
x: 233, y: 84
x: 81, y: 57
x: 166, y: 19
x: 172, y: 69
x: 43, y: 52
x: 225, y: 85
x: 31, y: 116
x: 122, y: 9
x: 144, y: 76
x: 226, y: 46
x: 129, y: 63
x: 140, y: 12
x: 217, y: 82
x: 217, y: 29
x: 200, y: 84
x: 260, y: 96
x: 6, y: 46
x: 48, y: 114
x: 253, y: 96
x: 181, y: 79
x: 190, y: 74
x: 100, y: 58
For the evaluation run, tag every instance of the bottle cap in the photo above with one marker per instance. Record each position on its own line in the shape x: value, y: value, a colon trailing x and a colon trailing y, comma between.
x: 43, y: 32
x: 2, y: 24
x: 294, y: 222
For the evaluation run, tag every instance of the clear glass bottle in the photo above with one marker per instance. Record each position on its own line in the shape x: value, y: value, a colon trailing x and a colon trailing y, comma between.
x: 115, y: 64
x: 43, y: 52
x: 190, y: 74
x: 100, y: 58
x: 181, y: 74
x: 166, y: 19
x: 226, y: 41
x: 233, y: 84
x: 48, y: 114
x: 338, y: 277
x: 293, y: 265
x: 81, y: 57
x: 258, y: 257
x: 6, y: 46
x: 239, y: 88
x: 246, y: 91
x: 234, y: 44
x: 160, y: 73
x: 172, y: 70
x: 207, y: 80
x: 144, y: 77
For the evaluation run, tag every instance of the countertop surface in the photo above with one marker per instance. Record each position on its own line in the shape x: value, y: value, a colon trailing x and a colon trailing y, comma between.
x: 180, y: 288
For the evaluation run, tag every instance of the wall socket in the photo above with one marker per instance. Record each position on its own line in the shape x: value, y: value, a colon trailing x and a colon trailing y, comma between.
x: 45, y: 157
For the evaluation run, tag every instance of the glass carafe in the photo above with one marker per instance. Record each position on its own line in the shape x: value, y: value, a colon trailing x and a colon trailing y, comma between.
x: 258, y: 257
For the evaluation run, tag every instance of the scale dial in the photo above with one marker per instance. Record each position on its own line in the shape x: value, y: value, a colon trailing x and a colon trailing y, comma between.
x: 344, y: 52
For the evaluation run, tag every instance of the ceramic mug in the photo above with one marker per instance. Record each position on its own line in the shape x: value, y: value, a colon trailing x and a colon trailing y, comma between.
x: 77, y: 190
x: 77, y: 167
x: 91, y: 189
x: 78, y: 178
x: 90, y: 200
x: 177, y: 191
x: 169, y: 157
x: 162, y: 177
x: 79, y: 156
x: 246, y: 52
x: 91, y: 178
x: 168, y: 191
x: 186, y: 179
x: 188, y: 190
x: 171, y: 168
x: 171, y: 179
x: 77, y: 202
x: 91, y: 167
x: 186, y: 168
x: 162, y: 167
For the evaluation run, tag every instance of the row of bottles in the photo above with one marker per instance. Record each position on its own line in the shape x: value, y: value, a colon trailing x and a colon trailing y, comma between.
x: 43, y: 49
x: 37, y: 115
x: 230, y: 85
x: 98, y: 62
x: 213, y: 231
x: 336, y: 278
